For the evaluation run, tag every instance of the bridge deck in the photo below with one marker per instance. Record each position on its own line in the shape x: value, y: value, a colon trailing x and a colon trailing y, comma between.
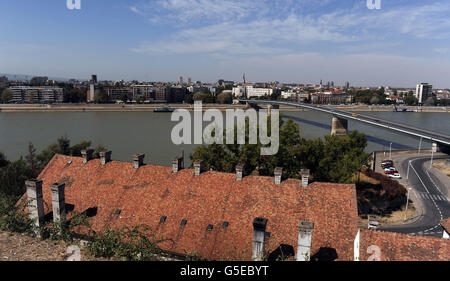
x: 406, y: 129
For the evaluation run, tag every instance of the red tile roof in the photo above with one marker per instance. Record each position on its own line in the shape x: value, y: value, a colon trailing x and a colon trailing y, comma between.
x: 402, y: 247
x: 446, y: 225
x: 146, y: 194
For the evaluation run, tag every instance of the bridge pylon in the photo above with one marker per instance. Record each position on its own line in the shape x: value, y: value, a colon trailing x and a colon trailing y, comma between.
x: 339, y: 126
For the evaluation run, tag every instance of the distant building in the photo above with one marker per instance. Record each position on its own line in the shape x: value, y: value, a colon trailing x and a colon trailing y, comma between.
x: 116, y: 94
x: 146, y: 92
x: 251, y: 91
x: 180, y: 80
x: 347, y: 85
x: 423, y: 92
x: 26, y: 94
x: 189, y: 81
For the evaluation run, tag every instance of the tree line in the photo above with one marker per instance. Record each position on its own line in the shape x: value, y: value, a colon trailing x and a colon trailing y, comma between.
x: 331, y: 159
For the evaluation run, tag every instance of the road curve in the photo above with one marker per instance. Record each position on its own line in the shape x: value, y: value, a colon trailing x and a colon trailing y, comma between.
x: 429, y: 191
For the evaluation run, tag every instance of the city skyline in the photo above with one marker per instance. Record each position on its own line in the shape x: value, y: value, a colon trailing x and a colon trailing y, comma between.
x: 399, y: 45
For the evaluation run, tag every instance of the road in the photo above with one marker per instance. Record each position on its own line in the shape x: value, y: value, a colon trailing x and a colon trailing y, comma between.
x: 428, y: 192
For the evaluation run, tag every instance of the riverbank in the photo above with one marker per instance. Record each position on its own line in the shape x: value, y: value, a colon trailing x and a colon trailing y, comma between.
x: 151, y: 108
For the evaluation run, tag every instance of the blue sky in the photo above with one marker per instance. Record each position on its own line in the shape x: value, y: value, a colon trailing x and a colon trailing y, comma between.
x: 403, y: 43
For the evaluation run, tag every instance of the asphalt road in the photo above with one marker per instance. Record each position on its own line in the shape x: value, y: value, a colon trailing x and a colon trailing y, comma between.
x: 429, y: 194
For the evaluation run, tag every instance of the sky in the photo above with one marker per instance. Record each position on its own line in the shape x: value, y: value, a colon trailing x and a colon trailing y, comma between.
x: 292, y: 41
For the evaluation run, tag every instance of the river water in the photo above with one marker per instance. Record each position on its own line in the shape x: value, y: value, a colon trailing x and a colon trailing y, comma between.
x: 128, y: 133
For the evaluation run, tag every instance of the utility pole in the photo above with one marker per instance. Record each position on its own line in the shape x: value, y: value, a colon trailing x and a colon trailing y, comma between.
x: 432, y: 153
x: 420, y: 144
x: 407, y: 199
x: 407, y: 172
x: 390, y: 151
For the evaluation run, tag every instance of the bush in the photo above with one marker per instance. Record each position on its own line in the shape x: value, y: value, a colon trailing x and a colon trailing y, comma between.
x: 13, y: 217
x: 392, y: 188
x: 131, y: 244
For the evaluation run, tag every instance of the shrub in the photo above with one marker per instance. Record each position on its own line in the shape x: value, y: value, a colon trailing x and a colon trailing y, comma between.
x: 132, y: 244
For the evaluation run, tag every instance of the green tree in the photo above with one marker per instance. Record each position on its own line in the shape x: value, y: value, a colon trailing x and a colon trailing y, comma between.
x: 334, y: 159
x: 6, y: 95
x: 225, y: 98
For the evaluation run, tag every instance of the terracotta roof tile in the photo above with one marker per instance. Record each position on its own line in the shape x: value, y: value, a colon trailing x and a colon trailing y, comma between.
x: 446, y: 224
x: 402, y: 247
x: 146, y: 194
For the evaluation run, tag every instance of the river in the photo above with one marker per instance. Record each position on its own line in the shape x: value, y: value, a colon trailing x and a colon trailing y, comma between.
x: 128, y: 133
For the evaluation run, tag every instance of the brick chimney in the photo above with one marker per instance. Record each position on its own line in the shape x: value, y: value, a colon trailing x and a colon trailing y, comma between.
x: 105, y: 157
x: 305, y: 230
x: 58, y: 201
x: 259, y: 235
x: 177, y: 164
x: 278, y: 174
x: 35, y: 201
x: 138, y: 160
x: 198, y: 167
x: 239, y: 171
x: 305, y: 177
x: 87, y: 155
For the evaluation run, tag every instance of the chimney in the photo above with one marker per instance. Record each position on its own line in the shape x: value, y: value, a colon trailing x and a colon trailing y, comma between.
x: 304, y: 240
x: 198, y: 167
x: 105, y: 157
x: 278, y: 173
x: 138, y: 160
x: 87, y: 155
x: 239, y: 171
x: 177, y: 164
x: 305, y: 177
x: 35, y: 201
x: 58, y: 201
x: 259, y: 235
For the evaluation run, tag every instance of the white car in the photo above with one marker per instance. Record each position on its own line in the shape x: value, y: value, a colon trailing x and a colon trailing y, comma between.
x: 395, y: 176
x: 390, y: 169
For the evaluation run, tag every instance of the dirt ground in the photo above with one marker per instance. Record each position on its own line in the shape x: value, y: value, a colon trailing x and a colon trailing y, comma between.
x: 20, y: 247
x: 443, y: 166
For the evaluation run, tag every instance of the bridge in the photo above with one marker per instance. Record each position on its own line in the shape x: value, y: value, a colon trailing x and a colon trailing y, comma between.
x: 441, y: 142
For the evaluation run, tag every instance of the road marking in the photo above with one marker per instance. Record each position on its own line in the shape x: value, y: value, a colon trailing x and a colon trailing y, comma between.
x: 432, y: 200
x: 437, y: 187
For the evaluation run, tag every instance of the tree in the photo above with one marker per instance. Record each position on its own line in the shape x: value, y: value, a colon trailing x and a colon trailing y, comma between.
x: 3, y: 160
x: 101, y: 96
x: 32, y: 161
x: 225, y: 98
x: 6, y: 95
x: 335, y: 159
x: 124, y: 97
x: 374, y: 100
x: 429, y: 101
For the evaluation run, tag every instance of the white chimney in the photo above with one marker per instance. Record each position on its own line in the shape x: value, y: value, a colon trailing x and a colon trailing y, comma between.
x: 304, y: 240
x: 58, y: 201
x: 138, y: 160
x: 198, y: 167
x: 305, y: 177
x: 177, y: 164
x: 105, y: 157
x: 259, y: 235
x: 239, y: 171
x: 87, y: 155
x: 278, y: 174
x: 35, y: 201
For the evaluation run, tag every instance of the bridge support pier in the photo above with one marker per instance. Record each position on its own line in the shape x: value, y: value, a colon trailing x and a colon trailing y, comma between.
x: 339, y: 126
x: 269, y: 110
x: 438, y: 147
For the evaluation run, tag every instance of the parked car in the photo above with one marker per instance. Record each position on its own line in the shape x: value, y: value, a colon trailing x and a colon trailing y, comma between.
x: 391, y: 172
x: 395, y: 176
x: 392, y: 168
